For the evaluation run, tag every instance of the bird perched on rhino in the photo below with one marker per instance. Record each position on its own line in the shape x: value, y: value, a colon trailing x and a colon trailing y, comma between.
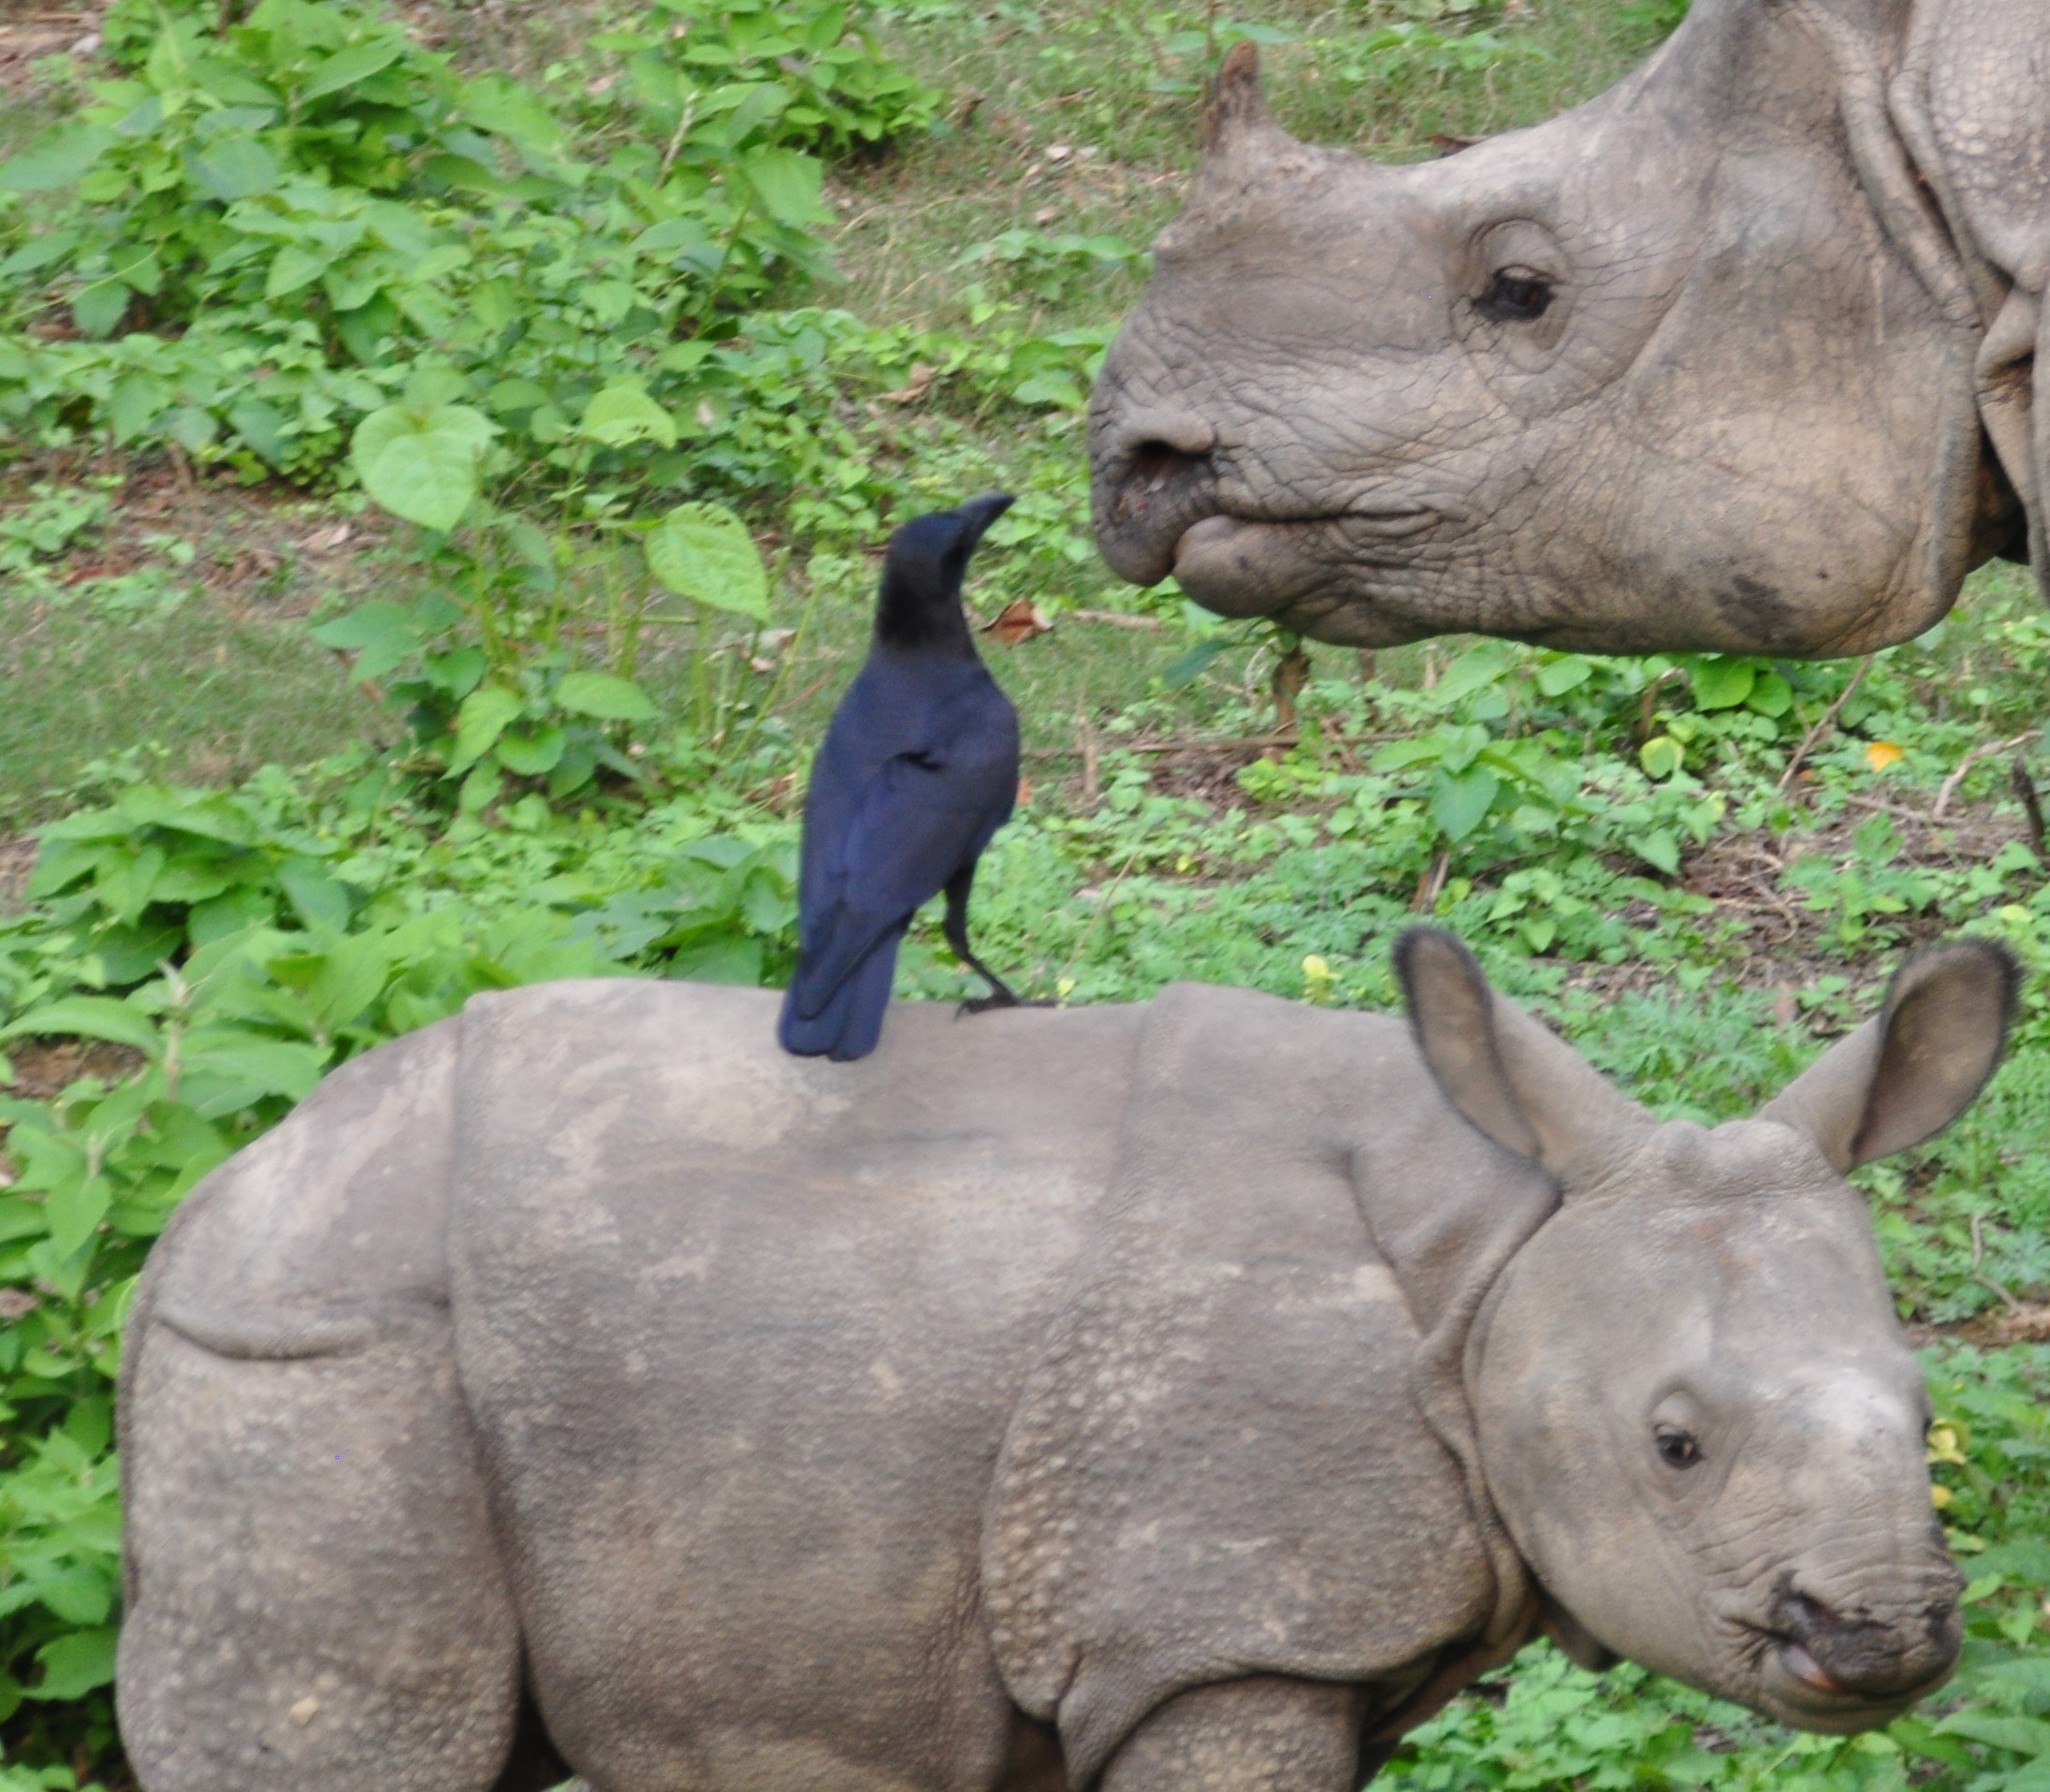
x: 917, y: 770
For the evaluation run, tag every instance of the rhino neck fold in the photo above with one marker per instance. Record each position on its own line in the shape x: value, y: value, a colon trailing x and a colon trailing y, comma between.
x: 1448, y: 1210
x: 1227, y: 1391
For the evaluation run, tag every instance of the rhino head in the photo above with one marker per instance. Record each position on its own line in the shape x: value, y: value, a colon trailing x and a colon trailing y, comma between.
x: 1694, y: 1408
x: 1688, y: 368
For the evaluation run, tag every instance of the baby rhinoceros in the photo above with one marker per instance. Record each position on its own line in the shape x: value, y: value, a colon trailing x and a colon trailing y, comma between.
x: 1184, y: 1397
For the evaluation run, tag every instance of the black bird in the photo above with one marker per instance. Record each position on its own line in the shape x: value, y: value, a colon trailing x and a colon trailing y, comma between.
x: 917, y: 770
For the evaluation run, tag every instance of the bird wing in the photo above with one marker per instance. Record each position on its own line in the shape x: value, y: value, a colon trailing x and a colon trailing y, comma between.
x: 923, y: 818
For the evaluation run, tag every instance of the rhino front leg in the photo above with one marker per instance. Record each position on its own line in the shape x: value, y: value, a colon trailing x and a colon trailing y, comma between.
x: 1261, y: 1735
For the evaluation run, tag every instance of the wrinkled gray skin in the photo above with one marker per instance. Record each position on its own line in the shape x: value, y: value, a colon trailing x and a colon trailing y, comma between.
x: 1177, y: 1398
x: 1741, y: 356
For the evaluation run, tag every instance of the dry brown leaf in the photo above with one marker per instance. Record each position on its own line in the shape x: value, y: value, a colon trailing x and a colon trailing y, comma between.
x: 920, y: 383
x: 1018, y: 620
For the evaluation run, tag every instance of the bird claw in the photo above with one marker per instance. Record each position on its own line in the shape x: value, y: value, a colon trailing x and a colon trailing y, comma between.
x: 980, y: 1004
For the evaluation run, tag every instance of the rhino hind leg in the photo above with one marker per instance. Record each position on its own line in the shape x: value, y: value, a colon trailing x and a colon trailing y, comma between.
x: 315, y: 1600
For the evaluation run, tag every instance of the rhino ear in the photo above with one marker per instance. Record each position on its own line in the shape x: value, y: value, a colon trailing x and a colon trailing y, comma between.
x: 1906, y: 1074
x: 1514, y: 1078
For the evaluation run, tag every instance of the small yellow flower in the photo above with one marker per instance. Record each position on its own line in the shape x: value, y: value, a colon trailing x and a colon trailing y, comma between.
x: 1940, y: 1497
x: 1883, y: 754
x: 1317, y: 978
x: 1943, y: 1443
x: 1064, y: 989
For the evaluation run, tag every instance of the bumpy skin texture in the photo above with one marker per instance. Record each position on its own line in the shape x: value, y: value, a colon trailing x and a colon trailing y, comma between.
x: 1713, y: 362
x: 589, y: 1385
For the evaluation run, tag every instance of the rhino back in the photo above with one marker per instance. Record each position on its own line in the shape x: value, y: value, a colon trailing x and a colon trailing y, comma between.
x: 741, y: 1333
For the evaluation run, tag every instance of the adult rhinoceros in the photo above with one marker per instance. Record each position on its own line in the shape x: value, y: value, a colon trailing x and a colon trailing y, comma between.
x: 1178, y: 1398
x: 1739, y: 355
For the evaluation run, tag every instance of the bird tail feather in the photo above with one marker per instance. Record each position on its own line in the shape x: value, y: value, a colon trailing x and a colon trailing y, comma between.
x: 851, y: 1023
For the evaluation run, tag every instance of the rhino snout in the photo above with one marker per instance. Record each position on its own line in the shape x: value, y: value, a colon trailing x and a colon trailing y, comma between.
x: 1155, y: 479
x: 1839, y: 1659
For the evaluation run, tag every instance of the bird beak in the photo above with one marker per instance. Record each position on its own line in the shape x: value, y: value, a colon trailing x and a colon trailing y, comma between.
x: 977, y: 514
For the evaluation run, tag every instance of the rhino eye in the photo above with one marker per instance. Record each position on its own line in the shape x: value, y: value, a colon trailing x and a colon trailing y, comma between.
x: 1677, y: 1448
x: 1516, y: 294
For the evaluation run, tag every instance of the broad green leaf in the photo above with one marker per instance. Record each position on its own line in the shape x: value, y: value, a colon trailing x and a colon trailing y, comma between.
x: 221, y: 1063
x: 1659, y: 848
x: 623, y: 413
x: 2022, y: 1735
x: 1661, y: 756
x: 317, y: 899
x: 1557, y: 676
x: 1459, y: 802
x: 497, y: 104
x: 86, y: 1017
x: 788, y: 183
x: 531, y: 755
x: 703, y: 552
x: 484, y: 717
x: 1475, y: 667
x: 723, y: 958
x: 98, y: 309
x: 75, y: 1664
x: 262, y: 426
x: 1185, y: 668
x: 1062, y: 389
x: 233, y: 168
x: 77, y: 1594
x: 1771, y: 696
x: 57, y: 158
x: 1721, y: 684
x: 381, y: 634
x: 75, y: 1209
x: 421, y: 462
x: 349, y: 66
x: 292, y: 267
x: 601, y: 695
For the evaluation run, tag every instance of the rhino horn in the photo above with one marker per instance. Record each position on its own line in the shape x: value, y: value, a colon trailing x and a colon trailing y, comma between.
x: 1509, y: 1074
x: 1240, y: 138
x: 1909, y: 1071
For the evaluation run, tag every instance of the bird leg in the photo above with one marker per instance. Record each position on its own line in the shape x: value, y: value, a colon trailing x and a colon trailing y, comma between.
x: 955, y: 927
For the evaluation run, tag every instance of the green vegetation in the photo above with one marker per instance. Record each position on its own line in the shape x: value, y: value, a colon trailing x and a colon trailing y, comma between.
x: 437, y: 520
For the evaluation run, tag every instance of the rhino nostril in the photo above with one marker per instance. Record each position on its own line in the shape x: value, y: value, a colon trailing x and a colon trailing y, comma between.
x: 1154, y: 468
x: 1154, y: 464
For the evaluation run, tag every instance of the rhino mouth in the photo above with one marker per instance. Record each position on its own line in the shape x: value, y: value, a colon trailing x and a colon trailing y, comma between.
x: 1162, y: 508
x: 1251, y: 565
x: 1807, y: 1693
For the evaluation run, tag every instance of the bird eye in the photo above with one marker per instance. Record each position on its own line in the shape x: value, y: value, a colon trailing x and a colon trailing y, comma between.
x: 1677, y: 1448
x: 1516, y: 294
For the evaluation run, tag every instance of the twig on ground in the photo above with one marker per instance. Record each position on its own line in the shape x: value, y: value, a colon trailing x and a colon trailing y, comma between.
x: 1647, y: 702
x: 812, y: 689
x: 1432, y: 884
x: 2025, y: 788
x: 1113, y: 618
x: 1822, y: 727
x: 1986, y: 750
x: 1979, y: 1276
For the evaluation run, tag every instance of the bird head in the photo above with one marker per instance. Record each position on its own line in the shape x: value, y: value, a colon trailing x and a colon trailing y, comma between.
x: 924, y: 570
